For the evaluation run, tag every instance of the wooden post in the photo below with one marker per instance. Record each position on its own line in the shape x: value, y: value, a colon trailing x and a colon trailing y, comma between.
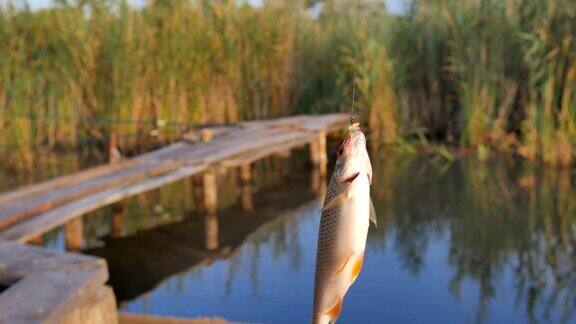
x: 209, y: 194
x: 118, y: 228
x: 314, y: 160
x: 74, y: 234
x: 319, y: 163
x: 322, y: 157
x: 211, y: 230
x: 315, y: 181
x: 282, y: 161
x: 314, y: 153
x: 246, y: 187
x: 198, y: 193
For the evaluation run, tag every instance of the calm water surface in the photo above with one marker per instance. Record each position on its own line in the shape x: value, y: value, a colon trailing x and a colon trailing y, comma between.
x: 461, y: 242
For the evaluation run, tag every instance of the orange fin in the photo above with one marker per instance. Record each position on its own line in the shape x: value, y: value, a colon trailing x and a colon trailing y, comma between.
x: 356, y: 267
x: 334, y: 311
x: 342, y: 266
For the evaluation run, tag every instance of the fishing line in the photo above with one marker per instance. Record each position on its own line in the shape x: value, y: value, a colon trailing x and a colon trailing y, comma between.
x: 353, y: 110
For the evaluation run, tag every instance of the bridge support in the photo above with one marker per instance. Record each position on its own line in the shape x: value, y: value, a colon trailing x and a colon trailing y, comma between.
x: 246, y: 187
x: 198, y: 192
x: 282, y: 162
x: 319, y: 161
x: 322, y: 157
x: 210, y: 198
x: 118, y: 224
x: 74, y: 234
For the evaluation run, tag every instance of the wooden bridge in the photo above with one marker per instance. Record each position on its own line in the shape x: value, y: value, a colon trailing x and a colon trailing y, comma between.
x: 30, y: 212
x: 38, y: 285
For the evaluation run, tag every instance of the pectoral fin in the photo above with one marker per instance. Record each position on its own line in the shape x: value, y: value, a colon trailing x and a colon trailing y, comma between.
x: 335, y: 202
x: 373, y: 213
x: 353, y: 263
x: 342, y: 266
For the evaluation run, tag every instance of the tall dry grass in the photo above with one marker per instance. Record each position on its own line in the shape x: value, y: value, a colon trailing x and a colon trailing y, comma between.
x: 491, y: 75
x: 87, y: 69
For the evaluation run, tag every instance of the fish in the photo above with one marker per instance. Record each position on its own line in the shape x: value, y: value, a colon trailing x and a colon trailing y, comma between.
x: 344, y: 222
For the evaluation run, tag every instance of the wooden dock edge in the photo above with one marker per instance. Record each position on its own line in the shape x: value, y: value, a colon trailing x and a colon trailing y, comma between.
x: 45, y: 286
x: 42, y: 286
x: 131, y: 318
x: 158, y: 168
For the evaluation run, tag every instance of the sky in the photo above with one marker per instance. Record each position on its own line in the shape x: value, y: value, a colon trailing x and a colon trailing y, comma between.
x: 395, y: 6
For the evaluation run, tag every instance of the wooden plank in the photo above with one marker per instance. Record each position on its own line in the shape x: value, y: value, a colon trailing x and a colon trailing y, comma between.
x: 199, y: 151
x: 51, y: 286
x: 21, y: 209
x: 45, y: 222
x: 259, y: 154
x: 278, y: 122
x: 211, y: 152
x: 327, y: 122
x: 48, y: 296
x: 198, y: 135
x: 74, y: 234
x: 259, y: 142
x: 127, y: 318
x: 246, y: 187
x: 21, y: 260
x: 162, y: 153
x: 76, y: 194
x: 50, y: 185
x: 99, y: 307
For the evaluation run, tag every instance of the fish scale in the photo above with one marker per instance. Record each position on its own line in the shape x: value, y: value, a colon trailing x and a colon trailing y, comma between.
x: 325, y: 258
x: 343, y: 227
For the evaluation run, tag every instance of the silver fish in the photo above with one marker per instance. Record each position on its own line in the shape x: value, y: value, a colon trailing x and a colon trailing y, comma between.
x: 343, y: 227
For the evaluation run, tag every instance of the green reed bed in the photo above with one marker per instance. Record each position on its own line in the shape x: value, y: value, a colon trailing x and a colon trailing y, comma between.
x: 92, y: 68
x: 490, y: 75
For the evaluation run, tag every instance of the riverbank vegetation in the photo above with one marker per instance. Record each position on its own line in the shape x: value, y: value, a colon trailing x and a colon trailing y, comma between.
x: 485, y: 75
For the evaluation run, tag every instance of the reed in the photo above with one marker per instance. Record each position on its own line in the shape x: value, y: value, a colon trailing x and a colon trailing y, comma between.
x: 494, y: 76
x: 87, y: 69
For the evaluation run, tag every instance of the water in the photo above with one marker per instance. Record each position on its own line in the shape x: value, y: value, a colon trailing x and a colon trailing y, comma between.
x: 464, y: 242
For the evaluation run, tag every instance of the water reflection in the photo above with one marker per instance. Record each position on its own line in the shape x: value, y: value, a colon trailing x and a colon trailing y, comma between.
x: 463, y: 242
x: 171, y: 248
x: 510, y: 229
x: 466, y: 242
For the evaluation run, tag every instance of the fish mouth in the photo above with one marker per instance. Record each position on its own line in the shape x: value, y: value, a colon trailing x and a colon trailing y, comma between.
x: 350, y: 179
